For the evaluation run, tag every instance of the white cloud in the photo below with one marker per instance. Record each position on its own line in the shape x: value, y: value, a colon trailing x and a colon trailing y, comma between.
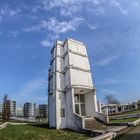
x: 67, y: 8
x: 32, y: 86
x: 56, y: 26
x: 118, y: 5
x: 106, y: 61
x: 93, y: 26
x: 98, y: 11
x: 46, y: 43
x: 69, y: 11
x: 59, y: 27
x: 136, y: 4
x: 14, y: 33
x: 7, y: 11
x: 115, y: 81
x: 64, y: 3
x: 107, y: 91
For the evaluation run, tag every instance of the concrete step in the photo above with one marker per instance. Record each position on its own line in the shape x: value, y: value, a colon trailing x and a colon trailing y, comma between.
x: 94, y: 124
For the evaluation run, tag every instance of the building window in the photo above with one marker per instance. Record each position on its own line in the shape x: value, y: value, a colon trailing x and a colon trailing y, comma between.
x: 76, y: 97
x: 80, y: 104
x: 82, y: 98
x: 62, y: 112
x: 77, y: 108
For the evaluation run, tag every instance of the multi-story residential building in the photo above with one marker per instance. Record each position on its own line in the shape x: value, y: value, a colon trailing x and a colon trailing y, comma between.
x: 30, y: 110
x: 19, y: 112
x: 43, y: 110
x: 37, y: 111
x: 71, y: 94
x: 12, y: 109
x: 1, y: 109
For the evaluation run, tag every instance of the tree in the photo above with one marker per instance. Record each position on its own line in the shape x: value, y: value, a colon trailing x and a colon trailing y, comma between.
x: 6, y: 108
x: 111, y: 99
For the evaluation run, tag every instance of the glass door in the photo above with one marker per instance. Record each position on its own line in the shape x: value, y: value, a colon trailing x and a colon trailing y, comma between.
x: 80, y: 104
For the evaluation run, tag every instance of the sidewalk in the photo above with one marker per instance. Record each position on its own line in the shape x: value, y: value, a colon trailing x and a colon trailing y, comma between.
x: 3, y: 125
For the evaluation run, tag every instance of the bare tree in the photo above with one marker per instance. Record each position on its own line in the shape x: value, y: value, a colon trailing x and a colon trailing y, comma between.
x: 6, y: 108
x: 111, y: 99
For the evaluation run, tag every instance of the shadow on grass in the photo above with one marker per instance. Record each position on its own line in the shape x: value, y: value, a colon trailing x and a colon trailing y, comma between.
x: 40, y: 125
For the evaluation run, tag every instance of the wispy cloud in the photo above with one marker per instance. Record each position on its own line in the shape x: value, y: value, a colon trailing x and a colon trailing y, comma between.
x: 14, y: 33
x: 114, y: 81
x: 118, y: 5
x: 98, y: 11
x: 106, y: 61
x: 93, y: 26
x: 107, y: 91
x: 69, y: 11
x: 63, y: 3
x: 56, y: 26
x: 7, y: 11
x: 62, y: 27
x: 32, y: 86
x: 46, y: 43
x: 70, y: 18
x: 136, y: 4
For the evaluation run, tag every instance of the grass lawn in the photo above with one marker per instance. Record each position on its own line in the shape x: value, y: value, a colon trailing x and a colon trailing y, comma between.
x: 122, y: 120
x: 28, y: 132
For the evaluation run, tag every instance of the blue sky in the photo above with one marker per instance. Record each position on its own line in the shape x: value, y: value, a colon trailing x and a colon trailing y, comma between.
x: 109, y: 28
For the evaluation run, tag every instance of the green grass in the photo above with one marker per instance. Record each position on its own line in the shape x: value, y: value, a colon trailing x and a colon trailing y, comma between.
x: 122, y: 120
x: 28, y: 132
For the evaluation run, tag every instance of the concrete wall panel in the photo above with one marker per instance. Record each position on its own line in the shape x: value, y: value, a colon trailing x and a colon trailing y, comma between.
x: 81, y: 78
x: 60, y: 50
x: 79, y: 61
x: 61, y: 104
x: 52, y: 110
x: 60, y: 64
x: 60, y: 81
x: 52, y: 83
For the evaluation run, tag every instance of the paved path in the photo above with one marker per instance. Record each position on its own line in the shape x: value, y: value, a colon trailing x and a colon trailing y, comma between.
x: 3, y: 125
x: 132, y: 134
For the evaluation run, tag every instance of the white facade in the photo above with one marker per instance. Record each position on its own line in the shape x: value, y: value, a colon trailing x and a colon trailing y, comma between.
x: 19, y: 112
x: 1, y: 109
x: 71, y: 95
x: 120, y: 108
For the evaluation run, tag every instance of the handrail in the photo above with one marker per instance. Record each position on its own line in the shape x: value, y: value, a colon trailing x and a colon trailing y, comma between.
x: 78, y: 117
x: 102, y: 117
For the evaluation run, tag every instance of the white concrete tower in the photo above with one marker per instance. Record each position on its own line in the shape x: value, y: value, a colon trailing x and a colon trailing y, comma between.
x: 71, y: 95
